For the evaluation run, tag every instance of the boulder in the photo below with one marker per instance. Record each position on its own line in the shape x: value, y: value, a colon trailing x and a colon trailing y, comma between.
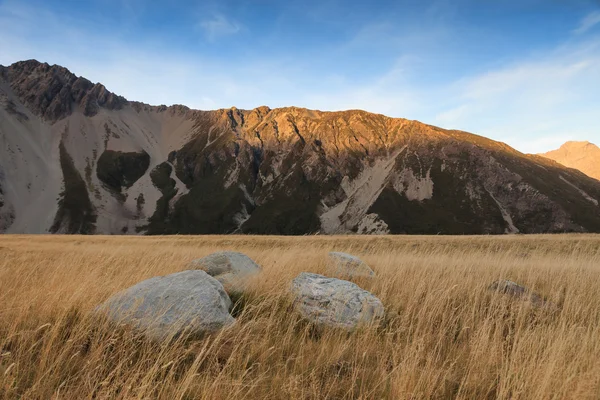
x: 345, y: 265
x: 163, y: 307
x: 331, y: 302
x: 231, y: 268
x: 517, y: 291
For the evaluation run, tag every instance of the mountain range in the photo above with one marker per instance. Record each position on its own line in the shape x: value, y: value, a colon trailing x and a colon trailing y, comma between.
x: 77, y: 158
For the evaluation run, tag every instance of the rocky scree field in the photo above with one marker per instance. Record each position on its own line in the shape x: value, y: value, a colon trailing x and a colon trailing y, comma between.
x: 444, y: 334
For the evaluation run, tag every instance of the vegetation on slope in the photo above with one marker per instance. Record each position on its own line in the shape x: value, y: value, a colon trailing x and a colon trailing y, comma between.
x: 212, y: 206
x: 549, y: 178
x: 289, y: 212
x: 158, y: 223
x: 209, y: 207
x: 117, y: 169
x: 292, y: 210
x: 448, y: 211
x: 75, y: 213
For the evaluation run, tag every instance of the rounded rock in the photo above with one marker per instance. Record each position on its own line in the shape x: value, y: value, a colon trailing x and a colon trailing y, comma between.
x: 232, y: 269
x: 344, y: 265
x: 517, y: 291
x: 332, y: 302
x: 168, y: 306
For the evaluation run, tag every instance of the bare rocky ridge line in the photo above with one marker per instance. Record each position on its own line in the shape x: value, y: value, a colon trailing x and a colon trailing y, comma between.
x: 164, y: 170
x: 53, y: 92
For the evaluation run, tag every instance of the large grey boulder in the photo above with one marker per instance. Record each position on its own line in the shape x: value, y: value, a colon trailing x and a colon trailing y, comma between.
x: 517, y: 291
x: 231, y: 268
x: 167, y: 306
x: 335, y: 303
x: 344, y: 265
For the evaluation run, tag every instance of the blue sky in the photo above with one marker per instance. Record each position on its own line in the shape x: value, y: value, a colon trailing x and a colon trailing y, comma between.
x: 524, y: 72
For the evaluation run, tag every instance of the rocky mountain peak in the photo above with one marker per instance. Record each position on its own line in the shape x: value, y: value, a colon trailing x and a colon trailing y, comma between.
x: 52, y: 92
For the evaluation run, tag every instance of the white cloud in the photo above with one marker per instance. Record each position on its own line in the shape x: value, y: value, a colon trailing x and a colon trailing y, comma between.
x: 588, y: 22
x: 219, y: 26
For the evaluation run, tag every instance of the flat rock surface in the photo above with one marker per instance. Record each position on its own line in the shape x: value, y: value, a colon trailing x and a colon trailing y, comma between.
x: 188, y: 301
x: 335, y: 303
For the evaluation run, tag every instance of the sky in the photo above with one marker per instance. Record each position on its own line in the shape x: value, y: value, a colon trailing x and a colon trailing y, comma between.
x: 524, y: 72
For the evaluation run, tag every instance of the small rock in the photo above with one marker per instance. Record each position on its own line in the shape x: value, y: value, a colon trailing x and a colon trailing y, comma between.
x: 335, y: 303
x: 345, y: 265
x: 231, y: 268
x: 161, y: 307
x: 519, y: 292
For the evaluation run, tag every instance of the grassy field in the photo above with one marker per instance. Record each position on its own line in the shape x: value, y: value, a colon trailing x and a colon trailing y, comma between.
x: 444, y: 336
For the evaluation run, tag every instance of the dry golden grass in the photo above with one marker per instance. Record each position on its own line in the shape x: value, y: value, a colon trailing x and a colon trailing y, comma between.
x: 445, y: 335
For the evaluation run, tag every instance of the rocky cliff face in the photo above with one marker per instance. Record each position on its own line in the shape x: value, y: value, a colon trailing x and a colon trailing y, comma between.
x: 77, y: 158
x: 53, y: 92
x: 584, y: 156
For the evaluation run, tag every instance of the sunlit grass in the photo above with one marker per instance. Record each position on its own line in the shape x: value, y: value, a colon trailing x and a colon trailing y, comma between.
x: 444, y: 335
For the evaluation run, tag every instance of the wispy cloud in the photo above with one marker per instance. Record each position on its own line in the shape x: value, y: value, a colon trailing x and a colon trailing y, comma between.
x: 533, y: 104
x: 588, y: 22
x: 218, y: 26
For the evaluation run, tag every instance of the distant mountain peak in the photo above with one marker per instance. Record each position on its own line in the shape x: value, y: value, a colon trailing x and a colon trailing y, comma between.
x: 577, y: 143
x: 581, y: 155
